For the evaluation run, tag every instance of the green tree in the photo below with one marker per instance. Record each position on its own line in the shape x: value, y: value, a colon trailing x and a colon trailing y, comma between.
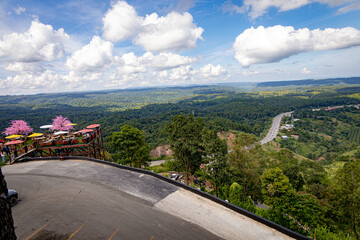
x: 245, y: 159
x: 185, y: 137
x: 129, y: 146
x: 235, y: 194
x: 346, y: 196
x: 275, y: 185
x: 290, y: 167
x: 299, y: 212
x: 215, y: 157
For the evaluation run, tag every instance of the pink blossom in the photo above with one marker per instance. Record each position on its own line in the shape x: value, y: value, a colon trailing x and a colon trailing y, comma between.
x: 18, y: 127
x: 61, y: 123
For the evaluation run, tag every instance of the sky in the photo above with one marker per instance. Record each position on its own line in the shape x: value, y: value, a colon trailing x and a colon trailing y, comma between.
x: 79, y: 45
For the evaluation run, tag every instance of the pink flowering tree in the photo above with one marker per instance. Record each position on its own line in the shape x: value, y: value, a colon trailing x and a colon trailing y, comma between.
x: 61, y: 123
x: 18, y: 127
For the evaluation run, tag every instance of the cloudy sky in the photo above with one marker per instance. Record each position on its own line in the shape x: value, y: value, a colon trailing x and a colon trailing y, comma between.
x: 77, y: 45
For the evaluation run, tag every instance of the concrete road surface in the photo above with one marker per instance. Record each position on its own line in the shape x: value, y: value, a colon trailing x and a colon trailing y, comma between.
x: 77, y: 199
x: 274, y: 128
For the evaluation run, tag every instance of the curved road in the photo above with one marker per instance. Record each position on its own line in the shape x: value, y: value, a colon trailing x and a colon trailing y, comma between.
x: 76, y: 199
x: 87, y: 207
x: 274, y: 128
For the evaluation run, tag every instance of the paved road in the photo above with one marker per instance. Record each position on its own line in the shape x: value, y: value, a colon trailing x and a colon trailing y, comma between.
x: 274, y: 128
x: 76, y: 199
x: 54, y: 207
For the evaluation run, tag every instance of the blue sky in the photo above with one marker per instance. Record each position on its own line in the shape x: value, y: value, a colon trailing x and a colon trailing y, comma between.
x: 77, y: 45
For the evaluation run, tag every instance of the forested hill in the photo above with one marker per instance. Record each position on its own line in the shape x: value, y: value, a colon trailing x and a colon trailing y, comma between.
x: 151, y: 110
x: 326, y: 82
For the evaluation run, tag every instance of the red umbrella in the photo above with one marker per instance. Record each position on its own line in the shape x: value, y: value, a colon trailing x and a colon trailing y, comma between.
x: 13, y: 142
x: 85, y: 131
x: 93, y: 126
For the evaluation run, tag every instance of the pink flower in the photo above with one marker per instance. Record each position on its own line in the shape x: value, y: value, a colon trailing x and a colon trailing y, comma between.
x: 61, y: 123
x: 18, y: 127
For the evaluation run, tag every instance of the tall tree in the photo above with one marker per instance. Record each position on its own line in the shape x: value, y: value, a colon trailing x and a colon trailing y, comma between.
x: 215, y: 157
x: 185, y: 137
x: 129, y: 146
x: 7, y: 230
x: 346, y: 196
x: 244, y: 157
x: 18, y: 127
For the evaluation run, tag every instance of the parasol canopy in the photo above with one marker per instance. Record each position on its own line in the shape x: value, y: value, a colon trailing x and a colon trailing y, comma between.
x: 46, y: 126
x: 60, y: 132
x: 35, y: 135
x: 13, y: 136
x: 13, y: 142
x: 85, y: 131
x: 93, y: 126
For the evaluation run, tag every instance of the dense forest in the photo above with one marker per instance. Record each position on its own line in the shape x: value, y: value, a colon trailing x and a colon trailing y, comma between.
x: 309, y: 183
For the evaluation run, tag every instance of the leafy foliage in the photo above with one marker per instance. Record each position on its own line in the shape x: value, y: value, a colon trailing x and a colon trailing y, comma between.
x: 346, y: 196
x: 129, y: 146
x: 185, y: 134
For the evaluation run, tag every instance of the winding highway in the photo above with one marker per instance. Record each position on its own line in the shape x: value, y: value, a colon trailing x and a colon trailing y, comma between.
x: 274, y: 128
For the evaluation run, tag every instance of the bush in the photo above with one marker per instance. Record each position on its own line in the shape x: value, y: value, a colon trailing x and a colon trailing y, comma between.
x: 235, y: 194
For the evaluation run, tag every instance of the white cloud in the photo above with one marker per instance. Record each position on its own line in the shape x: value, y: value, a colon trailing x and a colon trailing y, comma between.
x: 164, y: 68
x: 166, y: 60
x: 26, y: 81
x: 175, y: 31
x: 92, y: 57
x: 19, y: 10
x: 130, y: 63
x: 31, y: 67
x: 265, y: 45
x: 211, y: 71
x: 249, y: 72
x: 40, y: 43
x: 121, y: 22
x: 228, y: 6
x: 257, y: 8
x: 350, y: 7
x: 305, y: 71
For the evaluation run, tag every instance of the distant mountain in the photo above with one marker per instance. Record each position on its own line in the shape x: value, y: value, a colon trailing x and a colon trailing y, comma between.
x: 326, y: 82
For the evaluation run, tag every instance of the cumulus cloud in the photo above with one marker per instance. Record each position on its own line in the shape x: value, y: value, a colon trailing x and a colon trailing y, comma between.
x: 121, y: 22
x: 130, y: 63
x: 27, y: 81
x: 166, y: 60
x: 93, y: 56
x: 40, y: 43
x: 265, y: 45
x: 305, y: 71
x: 257, y: 8
x: 211, y: 71
x: 163, y: 68
x: 175, y: 31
